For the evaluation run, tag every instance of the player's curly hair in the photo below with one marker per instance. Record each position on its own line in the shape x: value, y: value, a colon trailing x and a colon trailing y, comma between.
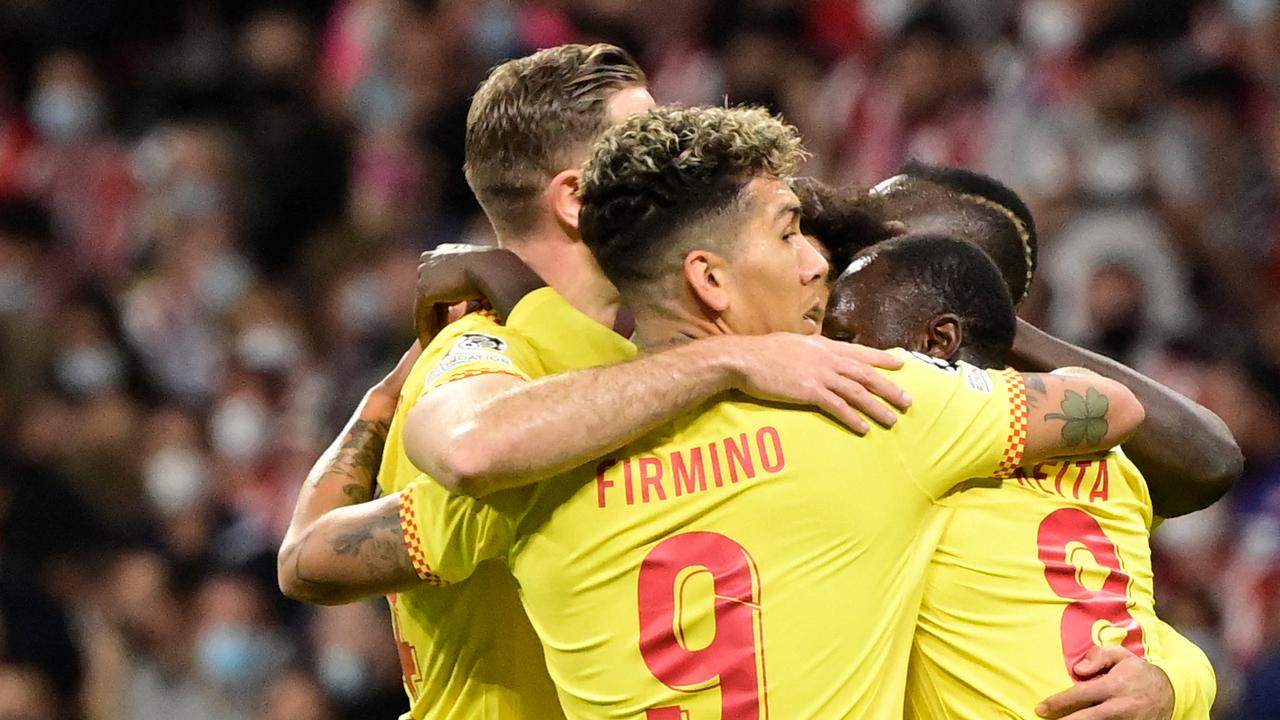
x: 665, y: 179
x: 535, y: 116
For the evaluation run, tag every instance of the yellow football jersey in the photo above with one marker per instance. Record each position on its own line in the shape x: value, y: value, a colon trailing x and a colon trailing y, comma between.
x: 467, y: 651
x: 1031, y: 572
x: 747, y: 559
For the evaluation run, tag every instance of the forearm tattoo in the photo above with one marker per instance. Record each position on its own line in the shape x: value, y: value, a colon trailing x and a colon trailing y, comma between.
x: 354, y: 458
x: 379, y: 544
x: 1035, y: 389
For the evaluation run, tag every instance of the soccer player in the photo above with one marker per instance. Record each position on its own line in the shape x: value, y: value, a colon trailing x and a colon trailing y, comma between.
x: 1188, y: 464
x: 1187, y: 453
x: 468, y: 649
x: 999, y: 631
x: 749, y: 556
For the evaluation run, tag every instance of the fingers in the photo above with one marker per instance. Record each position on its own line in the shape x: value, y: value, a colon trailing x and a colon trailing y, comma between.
x: 1105, y: 711
x: 389, y: 387
x: 861, y: 396
x: 864, y: 359
x: 454, y: 312
x: 425, y: 321
x: 1101, y: 658
x: 1078, y: 697
x: 842, y: 411
x: 1123, y: 686
x: 410, y: 356
x: 878, y: 384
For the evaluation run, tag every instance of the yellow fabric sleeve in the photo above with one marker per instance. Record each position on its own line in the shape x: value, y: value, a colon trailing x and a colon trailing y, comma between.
x: 478, y: 346
x: 448, y: 535
x: 963, y: 422
x: 1195, y: 686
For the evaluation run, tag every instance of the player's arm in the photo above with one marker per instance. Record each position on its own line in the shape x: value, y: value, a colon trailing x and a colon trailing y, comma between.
x: 343, y: 476
x: 1184, y: 450
x: 347, y: 554
x: 1195, y: 685
x: 394, y: 543
x: 1076, y: 412
x: 486, y: 433
x: 968, y: 422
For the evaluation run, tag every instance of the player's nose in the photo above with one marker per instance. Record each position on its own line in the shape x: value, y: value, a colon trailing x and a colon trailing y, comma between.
x: 813, y: 266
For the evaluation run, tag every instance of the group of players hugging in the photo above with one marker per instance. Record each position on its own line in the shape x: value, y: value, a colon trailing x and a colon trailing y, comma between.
x: 706, y: 440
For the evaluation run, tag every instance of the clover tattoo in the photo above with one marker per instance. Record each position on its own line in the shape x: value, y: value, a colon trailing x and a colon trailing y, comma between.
x: 1085, y: 417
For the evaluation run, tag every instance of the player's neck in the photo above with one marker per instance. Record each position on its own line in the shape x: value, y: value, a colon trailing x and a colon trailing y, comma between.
x: 568, y: 267
x: 658, y: 328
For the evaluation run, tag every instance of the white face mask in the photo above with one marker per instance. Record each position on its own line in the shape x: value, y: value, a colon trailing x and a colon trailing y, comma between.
x: 268, y: 347
x: 225, y: 282
x: 17, y: 292
x: 175, y: 479
x: 1252, y: 12
x: 196, y: 198
x: 240, y: 657
x: 1050, y: 26
x: 362, y: 304
x: 240, y: 429
x: 90, y: 370
x: 344, y: 672
x: 65, y: 112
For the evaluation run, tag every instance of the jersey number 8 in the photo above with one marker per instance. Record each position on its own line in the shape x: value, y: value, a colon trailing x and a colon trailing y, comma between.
x: 1092, y: 612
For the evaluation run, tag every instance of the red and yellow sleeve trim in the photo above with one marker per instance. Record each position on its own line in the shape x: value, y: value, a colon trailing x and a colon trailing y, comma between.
x: 483, y: 309
x: 462, y: 374
x: 413, y: 539
x: 1016, y: 441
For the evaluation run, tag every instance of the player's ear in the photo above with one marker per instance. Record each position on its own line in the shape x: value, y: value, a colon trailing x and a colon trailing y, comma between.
x: 707, y: 275
x: 942, y: 337
x: 565, y: 201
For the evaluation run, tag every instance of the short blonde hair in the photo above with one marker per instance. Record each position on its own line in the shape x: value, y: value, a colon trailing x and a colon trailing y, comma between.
x: 535, y: 116
x: 654, y: 182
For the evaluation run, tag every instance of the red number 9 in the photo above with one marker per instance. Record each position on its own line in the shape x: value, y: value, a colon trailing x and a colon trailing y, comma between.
x: 1109, y: 603
x: 733, y: 660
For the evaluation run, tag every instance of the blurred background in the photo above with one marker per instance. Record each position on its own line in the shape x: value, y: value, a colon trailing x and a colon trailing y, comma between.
x: 211, y: 211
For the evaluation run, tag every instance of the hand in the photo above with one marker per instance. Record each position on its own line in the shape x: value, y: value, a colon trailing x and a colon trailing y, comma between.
x: 1120, y: 686
x: 429, y: 319
x: 454, y: 273
x: 444, y: 279
x: 386, y: 394
x: 445, y: 273
x: 836, y: 376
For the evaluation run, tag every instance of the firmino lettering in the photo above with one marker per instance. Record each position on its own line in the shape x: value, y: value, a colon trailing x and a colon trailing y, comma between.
x: 651, y: 478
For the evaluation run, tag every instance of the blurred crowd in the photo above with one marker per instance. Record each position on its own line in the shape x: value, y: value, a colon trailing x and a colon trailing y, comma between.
x: 210, y: 215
